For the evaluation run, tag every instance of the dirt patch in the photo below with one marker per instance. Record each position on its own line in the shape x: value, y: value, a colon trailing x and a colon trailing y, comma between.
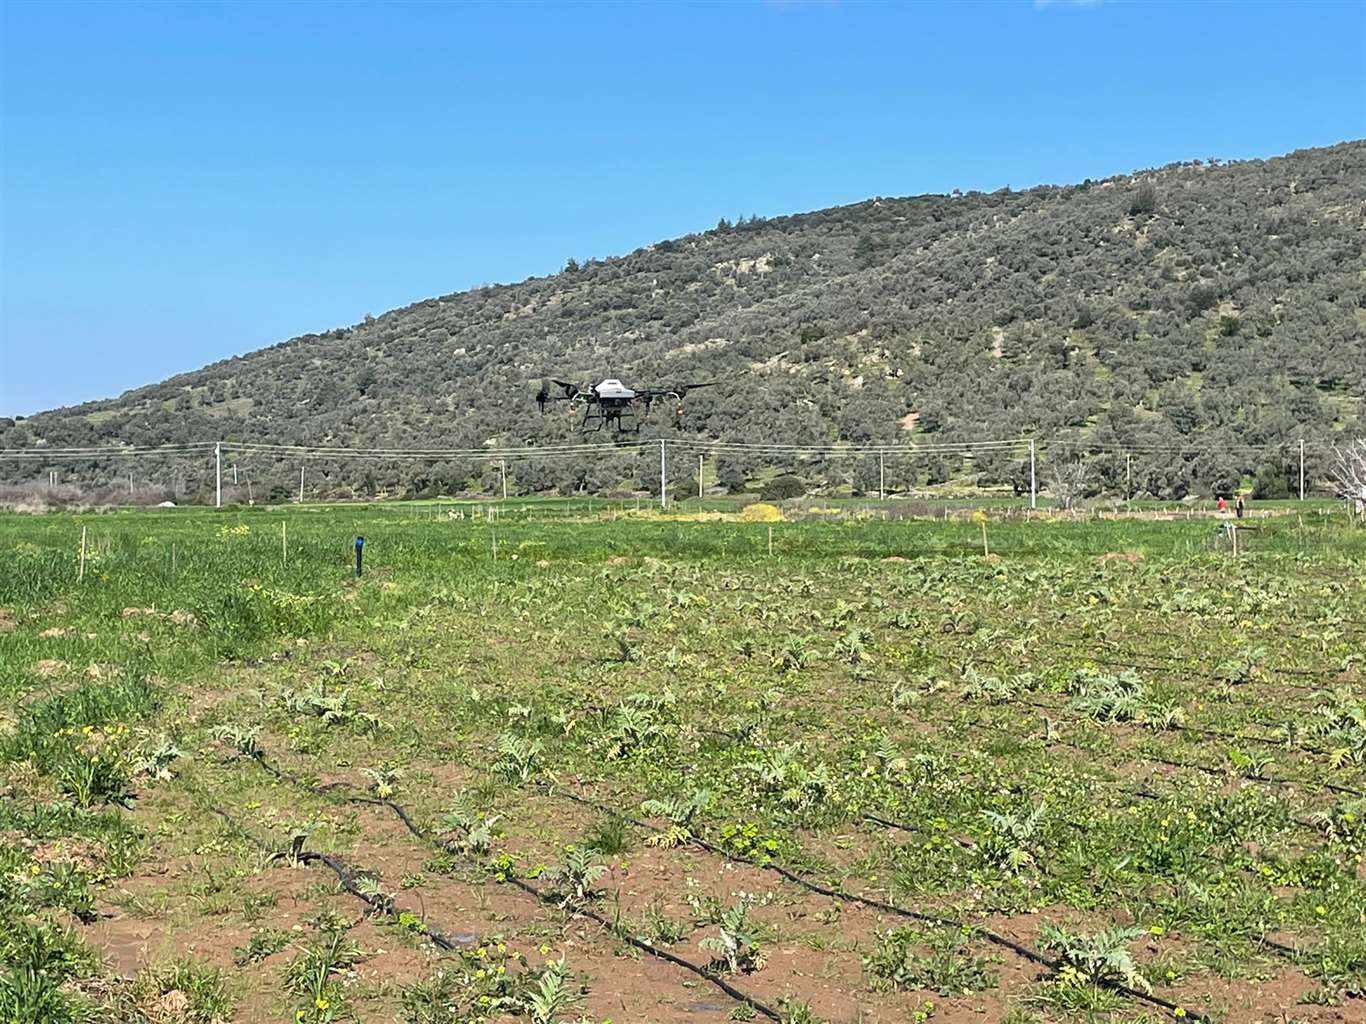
x: 8, y: 622
x: 48, y: 667
x: 1121, y: 556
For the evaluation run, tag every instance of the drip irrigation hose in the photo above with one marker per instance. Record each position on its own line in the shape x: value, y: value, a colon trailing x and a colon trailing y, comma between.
x: 339, y: 791
x: 846, y: 897
x: 345, y: 876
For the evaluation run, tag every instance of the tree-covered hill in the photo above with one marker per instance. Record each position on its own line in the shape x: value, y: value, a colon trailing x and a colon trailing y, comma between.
x: 1218, y: 302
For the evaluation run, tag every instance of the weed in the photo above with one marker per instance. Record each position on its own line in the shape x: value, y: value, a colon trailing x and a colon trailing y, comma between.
x: 948, y: 966
x: 264, y: 942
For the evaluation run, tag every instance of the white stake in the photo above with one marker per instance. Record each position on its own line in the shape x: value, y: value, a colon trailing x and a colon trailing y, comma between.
x: 1033, y: 489
x: 81, y: 574
x: 284, y: 543
x: 663, y: 477
x: 218, y: 474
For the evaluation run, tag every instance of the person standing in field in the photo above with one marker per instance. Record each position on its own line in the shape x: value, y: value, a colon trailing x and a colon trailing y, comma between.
x: 1239, y: 507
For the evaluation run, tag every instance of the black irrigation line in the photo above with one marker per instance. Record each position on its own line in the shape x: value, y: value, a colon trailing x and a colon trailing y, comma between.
x: 994, y: 937
x: 1270, y: 780
x: 1140, y: 794
x: 339, y: 792
x: 1081, y: 644
x: 345, y: 876
x: 1308, y: 784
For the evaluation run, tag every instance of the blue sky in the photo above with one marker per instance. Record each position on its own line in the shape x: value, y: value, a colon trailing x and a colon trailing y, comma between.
x: 183, y: 183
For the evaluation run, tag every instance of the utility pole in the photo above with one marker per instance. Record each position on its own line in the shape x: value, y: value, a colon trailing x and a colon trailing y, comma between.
x: 663, y: 477
x: 1301, y: 469
x: 218, y: 474
x: 881, y: 476
x: 1033, y: 488
x: 301, y: 485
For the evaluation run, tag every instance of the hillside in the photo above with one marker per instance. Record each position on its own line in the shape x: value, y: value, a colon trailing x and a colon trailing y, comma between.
x: 1220, y: 301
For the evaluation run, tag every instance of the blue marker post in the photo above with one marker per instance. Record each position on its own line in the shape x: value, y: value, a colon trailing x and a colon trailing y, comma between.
x: 360, y: 547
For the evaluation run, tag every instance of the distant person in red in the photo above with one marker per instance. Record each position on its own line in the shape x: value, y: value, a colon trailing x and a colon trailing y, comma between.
x: 1239, y: 507
x: 1223, y: 504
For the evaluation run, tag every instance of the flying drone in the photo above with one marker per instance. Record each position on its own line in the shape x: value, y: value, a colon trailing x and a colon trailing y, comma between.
x: 611, y: 403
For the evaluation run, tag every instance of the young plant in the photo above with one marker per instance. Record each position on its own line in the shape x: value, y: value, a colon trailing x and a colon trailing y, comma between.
x: 737, y: 948
x: 1011, y: 841
x: 681, y: 812
x: 518, y: 759
x: 549, y: 993
x: 574, y: 878
x: 1095, y: 960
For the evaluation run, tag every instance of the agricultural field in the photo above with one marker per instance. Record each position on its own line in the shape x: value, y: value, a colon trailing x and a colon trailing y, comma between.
x: 567, y: 765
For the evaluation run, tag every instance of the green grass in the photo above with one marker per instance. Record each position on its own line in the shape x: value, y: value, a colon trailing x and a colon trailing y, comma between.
x: 1109, y: 724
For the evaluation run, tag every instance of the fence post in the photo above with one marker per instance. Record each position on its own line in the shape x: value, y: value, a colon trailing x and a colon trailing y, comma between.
x: 1128, y: 477
x: 301, y: 485
x: 1033, y: 488
x: 881, y: 475
x: 1301, y: 469
x: 503, y: 468
x: 218, y: 474
x: 699, y: 478
x: 81, y: 574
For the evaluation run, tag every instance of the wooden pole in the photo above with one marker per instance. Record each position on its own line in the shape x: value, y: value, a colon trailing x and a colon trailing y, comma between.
x: 770, y: 542
x: 1301, y: 469
x: 503, y: 467
x: 881, y: 475
x: 80, y: 575
x: 284, y: 543
x: 301, y: 485
x: 986, y: 551
x: 1033, y: 488
x: 1233, y: 532
x: 699, y: 478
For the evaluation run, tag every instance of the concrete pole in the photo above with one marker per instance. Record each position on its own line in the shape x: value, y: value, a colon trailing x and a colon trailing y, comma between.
x: 663, y: 477
x: 1033, y: 487
x: 218, y: 474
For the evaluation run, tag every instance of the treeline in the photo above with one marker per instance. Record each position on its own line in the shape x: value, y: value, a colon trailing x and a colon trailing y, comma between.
x: 1205, y: 309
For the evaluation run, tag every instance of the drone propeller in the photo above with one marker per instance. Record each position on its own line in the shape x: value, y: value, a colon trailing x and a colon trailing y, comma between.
x: 682, y: 390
